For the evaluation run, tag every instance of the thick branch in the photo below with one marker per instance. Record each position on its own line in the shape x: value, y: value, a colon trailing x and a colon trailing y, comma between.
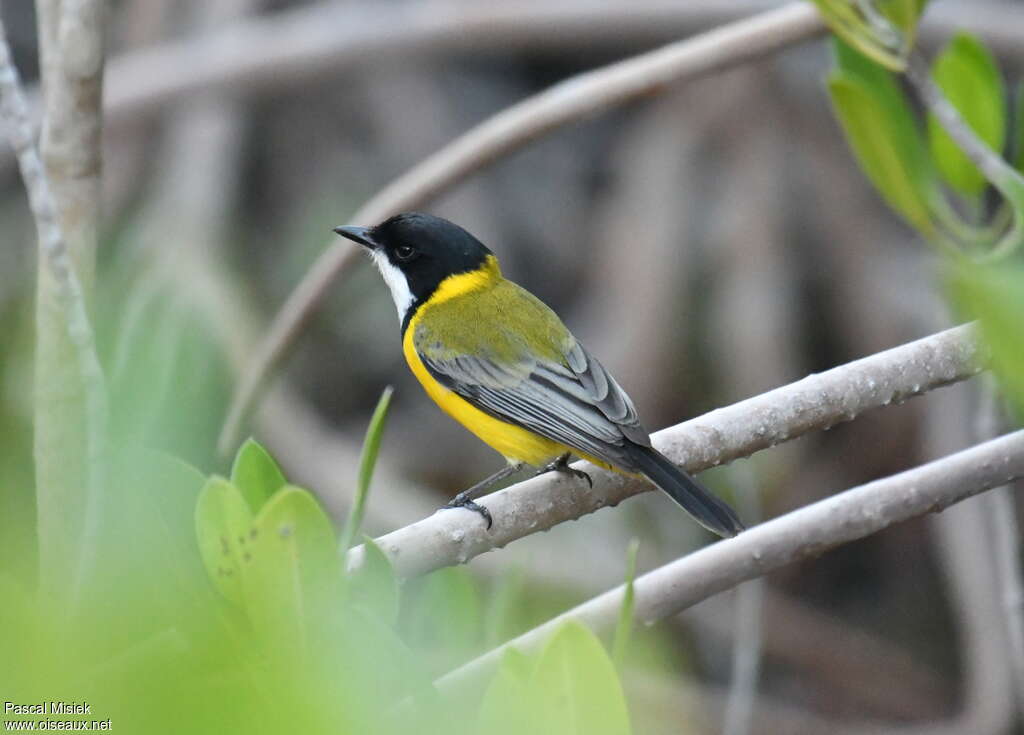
x: 571, y: 100
x: 804, y: 533
x: 816, y: 402
x: 69, y: 379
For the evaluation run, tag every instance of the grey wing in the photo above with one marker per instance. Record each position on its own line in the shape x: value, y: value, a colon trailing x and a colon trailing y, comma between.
x: 576, y: 403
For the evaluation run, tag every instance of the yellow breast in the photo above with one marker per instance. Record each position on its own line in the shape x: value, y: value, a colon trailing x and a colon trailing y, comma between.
x: 513, y: 442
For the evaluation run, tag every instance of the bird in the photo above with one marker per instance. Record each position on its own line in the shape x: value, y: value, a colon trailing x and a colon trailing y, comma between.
x: 499, y: 361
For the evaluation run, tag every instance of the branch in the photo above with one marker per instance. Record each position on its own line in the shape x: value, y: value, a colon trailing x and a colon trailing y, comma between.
x: 816, y: 402
x: 569, y: 101
x: 64, y: 537
x: 277, y: 50
x: 801, y: 534
x: 1006, y: 180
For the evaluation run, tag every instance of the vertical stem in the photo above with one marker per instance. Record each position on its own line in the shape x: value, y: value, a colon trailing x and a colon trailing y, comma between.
x: 69, y: 412
x: 1002, y: 512
x: 747, y: 643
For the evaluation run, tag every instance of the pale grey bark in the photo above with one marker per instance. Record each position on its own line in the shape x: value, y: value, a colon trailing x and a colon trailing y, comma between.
x: 70, y: 397
x: 816, y: 402
x: 801, y: 534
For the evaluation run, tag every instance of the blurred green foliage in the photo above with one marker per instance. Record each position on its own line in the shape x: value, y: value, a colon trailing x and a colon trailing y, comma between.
x: 967, y: 74
x: 882, y: 30
x: 888, y: 144
x: 883, y: 134
x: 922, y: 173
x: 994, y: 295
x: 221, y: 605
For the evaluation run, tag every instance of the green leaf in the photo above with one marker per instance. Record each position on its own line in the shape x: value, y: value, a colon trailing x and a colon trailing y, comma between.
x: 505, y: 600
x: 995, y: 297
x: 506, y: 708
x: 223, y: 523
x: 256, y: 474
x: 575, y: 688
x: 1018, y: 124
x: 445, y: 612
x: 624, y: 626
x: 883, y: 31
x: 291, y: 569
x: 970, y: 79
x: 903, y: 14
x: 883, y: 134
x: 367, y: 462
x: 374, y: 586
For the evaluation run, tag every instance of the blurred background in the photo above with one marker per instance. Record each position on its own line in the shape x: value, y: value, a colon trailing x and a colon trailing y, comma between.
x: 708, y: 243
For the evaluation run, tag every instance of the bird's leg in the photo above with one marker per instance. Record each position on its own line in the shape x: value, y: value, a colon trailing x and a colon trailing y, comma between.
x: 465, y: 498
x: 562, y: 465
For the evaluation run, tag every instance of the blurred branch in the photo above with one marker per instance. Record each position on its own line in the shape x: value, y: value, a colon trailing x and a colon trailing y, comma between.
x: 569, y: 101
x: 1005, y: 534
x: 748, y: 614
x: 839, y: 660
x: 964, y: 548
x: 816, y: 402
x: 277, y: 50
x: 804, y: 533
x: 71, y: 404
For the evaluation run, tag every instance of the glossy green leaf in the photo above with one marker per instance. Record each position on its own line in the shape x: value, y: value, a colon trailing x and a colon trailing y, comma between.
x: 970, y: 79
x: 624, y: 626
x: 223, y: 523
x: 995, y: 297
x: 575, y: 688
x: 506, y: 708
x: 256, y: 474
x: 374, y: 586
x: 291, y: 569
x: 367, y: 462
x: 885, y: 147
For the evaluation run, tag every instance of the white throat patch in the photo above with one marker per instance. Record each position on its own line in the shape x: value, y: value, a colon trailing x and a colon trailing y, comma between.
x: 396, y: 282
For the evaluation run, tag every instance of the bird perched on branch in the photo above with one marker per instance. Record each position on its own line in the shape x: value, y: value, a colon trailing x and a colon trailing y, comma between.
x: 500, y: 362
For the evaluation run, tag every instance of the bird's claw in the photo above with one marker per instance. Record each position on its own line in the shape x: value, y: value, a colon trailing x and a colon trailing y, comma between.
x: 562, y: 465
x: 461, y: 501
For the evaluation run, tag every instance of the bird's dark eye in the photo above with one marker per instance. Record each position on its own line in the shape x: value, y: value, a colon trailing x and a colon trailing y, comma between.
x: 405, y: 252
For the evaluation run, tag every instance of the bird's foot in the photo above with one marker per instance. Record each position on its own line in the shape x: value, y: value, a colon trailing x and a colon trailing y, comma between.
x: 562, y: 465
x: 463, y: 500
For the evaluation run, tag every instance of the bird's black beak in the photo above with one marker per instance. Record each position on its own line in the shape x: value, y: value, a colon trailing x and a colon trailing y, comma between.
x: 360, y: 235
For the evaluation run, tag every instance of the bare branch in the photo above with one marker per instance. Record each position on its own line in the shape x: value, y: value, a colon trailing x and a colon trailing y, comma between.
x: 276, y: 50
x: 804, y: 533
x: 63, y: 324
x: 816, y: 402
x: 569, y: 101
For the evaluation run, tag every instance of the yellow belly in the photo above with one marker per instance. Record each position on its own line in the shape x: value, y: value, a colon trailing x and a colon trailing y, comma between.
x: 513, y: 442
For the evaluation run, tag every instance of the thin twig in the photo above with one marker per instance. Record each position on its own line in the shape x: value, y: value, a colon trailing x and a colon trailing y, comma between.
x: 998, y: 172
x: 802, y: 534
x: 569, y: 101
x: 816, y: 402
x: 55, y: 256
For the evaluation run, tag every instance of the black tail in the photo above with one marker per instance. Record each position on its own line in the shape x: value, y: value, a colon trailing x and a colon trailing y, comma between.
x: 705, y: 508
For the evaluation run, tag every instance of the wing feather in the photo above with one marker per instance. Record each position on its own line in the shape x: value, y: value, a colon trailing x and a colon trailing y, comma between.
x: 573, y: 401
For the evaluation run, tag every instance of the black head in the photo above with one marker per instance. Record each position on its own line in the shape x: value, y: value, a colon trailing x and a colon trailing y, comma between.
x: 415, y: 252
